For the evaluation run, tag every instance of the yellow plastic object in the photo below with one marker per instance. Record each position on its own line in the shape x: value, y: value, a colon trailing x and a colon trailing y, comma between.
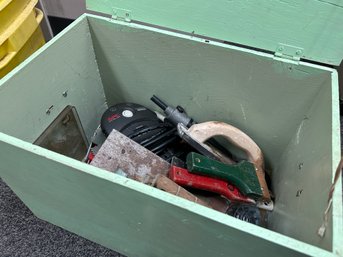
x: 34, y: 43
x: 22, y: 43
x: 13, y: 12
x: 4, y: 3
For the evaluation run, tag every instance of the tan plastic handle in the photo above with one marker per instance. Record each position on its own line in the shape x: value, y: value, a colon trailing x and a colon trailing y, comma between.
x: 206, y: 130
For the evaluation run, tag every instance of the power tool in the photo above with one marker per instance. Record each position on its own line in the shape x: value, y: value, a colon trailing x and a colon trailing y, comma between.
x: 178, y: 116
x: 143, y: 126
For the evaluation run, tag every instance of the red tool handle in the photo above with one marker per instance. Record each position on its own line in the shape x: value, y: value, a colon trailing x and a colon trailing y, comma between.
x: 184, y: 178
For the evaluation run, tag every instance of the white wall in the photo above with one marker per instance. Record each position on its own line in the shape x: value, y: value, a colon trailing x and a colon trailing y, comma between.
x: 70, y: 9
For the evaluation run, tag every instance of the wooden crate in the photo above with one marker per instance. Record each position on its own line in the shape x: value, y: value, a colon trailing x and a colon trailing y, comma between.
x: 288, y: 106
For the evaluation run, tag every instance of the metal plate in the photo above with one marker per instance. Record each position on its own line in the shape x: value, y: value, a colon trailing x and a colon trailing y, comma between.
x: 65, y: 135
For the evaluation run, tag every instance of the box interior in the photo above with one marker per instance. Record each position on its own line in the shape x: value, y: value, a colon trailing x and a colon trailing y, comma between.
x: 285, y: 107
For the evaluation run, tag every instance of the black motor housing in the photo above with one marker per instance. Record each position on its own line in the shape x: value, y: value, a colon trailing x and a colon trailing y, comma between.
x: 144, y: 127
x: 128, y: 118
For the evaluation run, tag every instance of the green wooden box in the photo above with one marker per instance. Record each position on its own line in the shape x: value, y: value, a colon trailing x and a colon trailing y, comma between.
x: 287, y: 104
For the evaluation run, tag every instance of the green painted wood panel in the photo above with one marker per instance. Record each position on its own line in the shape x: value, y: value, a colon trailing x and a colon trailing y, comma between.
x: 313, y: 25
x: 51, y: 72
x: 130, y: 217
x: 298, y: 177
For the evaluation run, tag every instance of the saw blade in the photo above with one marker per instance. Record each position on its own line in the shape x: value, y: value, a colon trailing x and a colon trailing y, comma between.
x: 200, y: 147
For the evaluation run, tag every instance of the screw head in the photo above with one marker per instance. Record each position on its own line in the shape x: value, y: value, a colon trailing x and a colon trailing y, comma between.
x: 65, y: 93
x: 298, y: 52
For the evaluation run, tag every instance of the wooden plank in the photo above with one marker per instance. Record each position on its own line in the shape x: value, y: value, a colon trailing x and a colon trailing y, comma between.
x: 313, y: 25
x: 120, y: 152
x: 298, y: 178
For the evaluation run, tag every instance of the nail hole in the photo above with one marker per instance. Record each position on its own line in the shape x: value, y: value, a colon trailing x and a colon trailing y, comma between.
x: 299, y: 192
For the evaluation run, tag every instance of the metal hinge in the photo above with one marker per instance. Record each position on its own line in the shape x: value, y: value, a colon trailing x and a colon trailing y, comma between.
x: 121, y: 14
x: 289, y: 52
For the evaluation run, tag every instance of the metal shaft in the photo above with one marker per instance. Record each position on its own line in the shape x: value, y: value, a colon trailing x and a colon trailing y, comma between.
x: 159, y: 102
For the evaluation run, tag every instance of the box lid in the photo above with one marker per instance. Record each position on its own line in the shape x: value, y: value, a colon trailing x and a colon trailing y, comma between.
x: 307, y: 29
